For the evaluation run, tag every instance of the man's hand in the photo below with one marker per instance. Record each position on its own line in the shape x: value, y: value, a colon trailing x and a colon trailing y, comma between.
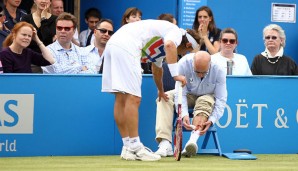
x: 186, y: 123
x: 180, y: 78
x: 162, y: 95
x: 207, y: 126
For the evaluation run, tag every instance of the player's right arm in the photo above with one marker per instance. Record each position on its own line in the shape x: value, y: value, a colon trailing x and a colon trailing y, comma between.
x: 171, y: 57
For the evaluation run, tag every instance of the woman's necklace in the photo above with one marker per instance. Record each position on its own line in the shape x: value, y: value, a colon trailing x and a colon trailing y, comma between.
x: 271, y: 61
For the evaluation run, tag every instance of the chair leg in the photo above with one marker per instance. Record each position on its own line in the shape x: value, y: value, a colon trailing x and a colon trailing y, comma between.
x: 217, y: 150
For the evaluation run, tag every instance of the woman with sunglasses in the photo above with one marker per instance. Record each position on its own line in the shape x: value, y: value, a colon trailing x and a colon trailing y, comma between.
x: 204, y: 24
x: 44, y: 23
x: 273, y: 61
x: 227, y: 55
x: 16, y: 57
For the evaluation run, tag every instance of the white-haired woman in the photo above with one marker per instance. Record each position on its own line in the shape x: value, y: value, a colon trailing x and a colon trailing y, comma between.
x: 273, y: 61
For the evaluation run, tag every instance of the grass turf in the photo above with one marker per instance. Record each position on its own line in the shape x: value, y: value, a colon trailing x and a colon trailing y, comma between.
x: 264, y: 162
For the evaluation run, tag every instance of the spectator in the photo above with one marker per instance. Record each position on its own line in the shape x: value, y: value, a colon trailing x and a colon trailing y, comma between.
x: 104, y: 29
x: 16, y: 57
x: 131, y: 15
x: 57, y: 7
x: 122, y: 73
x: 204, y: 23
x: 92, y: 16
x: 206, y: 93
x: 228, y: 43
x: 13, y: 13
x: 3, y: 31
x: 70, y: 58
x: 44, y: 23
x: 273, y: 61
x: 167, y: 17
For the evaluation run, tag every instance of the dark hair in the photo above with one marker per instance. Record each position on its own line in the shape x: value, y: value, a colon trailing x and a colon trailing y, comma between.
x: 104, y: 20
x: 166, y: 17
x: 69, y: 17
x: 128, y: 13
x: 92, y: 12
x: 211, y: 26
x: 228, y: 30
x: 193, y: 33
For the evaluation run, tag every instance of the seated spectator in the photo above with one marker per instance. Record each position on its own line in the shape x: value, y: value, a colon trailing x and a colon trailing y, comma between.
x: 92, y: 16
x: 70, y: 58
x: 206, y: 93
x: 131, y: 15
x: 204, y: 24
x: 273, y: 61
x: 167, y: 17
x: 16, y: 57
x: 104, y: 29
x: 3, y: 31
x: 13, y: 13
x: 228, y: 40
x: 44, y: 23
x: 57, y: 7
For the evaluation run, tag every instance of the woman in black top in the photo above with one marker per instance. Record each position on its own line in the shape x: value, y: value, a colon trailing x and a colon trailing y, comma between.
x: 204, y: 24
x: 45, y: 24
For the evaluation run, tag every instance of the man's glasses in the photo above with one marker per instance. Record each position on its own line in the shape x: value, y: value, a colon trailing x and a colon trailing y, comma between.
x: 103, y: 31
x: 232, y: 41
x: 270, y: 37
x: 199, y: 72
x: 60, y: 28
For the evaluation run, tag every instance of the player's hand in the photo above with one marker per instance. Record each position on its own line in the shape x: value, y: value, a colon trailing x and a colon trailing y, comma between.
x: 180, y: 78
x: 162, y: 94
x: 186, y: 123
x: 206, y: 126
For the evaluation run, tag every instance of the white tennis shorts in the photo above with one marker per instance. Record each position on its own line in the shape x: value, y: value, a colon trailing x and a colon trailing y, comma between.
x: 122, y: 71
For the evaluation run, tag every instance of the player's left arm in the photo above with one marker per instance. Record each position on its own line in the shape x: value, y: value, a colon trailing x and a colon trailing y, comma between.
x: 157, y: 73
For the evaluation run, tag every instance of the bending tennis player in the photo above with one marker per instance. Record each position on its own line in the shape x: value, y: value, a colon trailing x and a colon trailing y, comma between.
x: 146, y: 40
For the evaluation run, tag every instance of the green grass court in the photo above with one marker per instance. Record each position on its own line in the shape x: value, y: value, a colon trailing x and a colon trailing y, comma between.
x: 264, y: 162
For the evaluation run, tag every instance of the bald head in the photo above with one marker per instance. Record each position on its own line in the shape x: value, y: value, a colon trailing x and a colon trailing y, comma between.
x: 202, y: 63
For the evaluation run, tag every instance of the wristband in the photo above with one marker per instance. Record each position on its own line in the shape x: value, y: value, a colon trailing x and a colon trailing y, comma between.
x: 173, y: 69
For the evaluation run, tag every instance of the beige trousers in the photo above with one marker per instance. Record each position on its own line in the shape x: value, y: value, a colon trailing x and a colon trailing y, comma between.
x: 165, y: 112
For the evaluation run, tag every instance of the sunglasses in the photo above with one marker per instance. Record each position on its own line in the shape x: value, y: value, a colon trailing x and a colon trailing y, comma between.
x: 103, y: 31
x: 272, y: 37
x: 59, y: 28
x: 1, y: 15
x: 232, y: 41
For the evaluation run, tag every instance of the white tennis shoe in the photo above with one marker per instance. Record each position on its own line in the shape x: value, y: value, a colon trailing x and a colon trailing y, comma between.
x: 165, y: 149
x: 145, y: 154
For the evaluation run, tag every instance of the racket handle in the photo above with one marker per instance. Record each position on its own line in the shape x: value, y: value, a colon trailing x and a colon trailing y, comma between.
x: 179, y: 84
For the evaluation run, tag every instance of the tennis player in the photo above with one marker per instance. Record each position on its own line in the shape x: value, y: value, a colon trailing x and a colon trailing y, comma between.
x: 146, y: 40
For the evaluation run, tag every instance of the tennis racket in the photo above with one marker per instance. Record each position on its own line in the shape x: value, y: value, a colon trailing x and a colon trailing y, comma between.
x: 178, y: 126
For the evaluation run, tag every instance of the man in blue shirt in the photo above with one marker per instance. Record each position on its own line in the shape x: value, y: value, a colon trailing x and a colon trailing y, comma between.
x: 205, y: 92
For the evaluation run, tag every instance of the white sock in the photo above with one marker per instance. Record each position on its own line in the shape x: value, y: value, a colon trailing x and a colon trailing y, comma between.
x: 134, y: 143
x: 125, y: 141
x: 194, y: 136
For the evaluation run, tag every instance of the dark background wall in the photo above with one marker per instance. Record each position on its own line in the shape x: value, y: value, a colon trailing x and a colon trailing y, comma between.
x: 247, y: 17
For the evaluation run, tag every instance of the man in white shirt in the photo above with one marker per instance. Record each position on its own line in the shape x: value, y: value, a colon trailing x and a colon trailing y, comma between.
x: 104, y: 29
x: 205, y: 91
